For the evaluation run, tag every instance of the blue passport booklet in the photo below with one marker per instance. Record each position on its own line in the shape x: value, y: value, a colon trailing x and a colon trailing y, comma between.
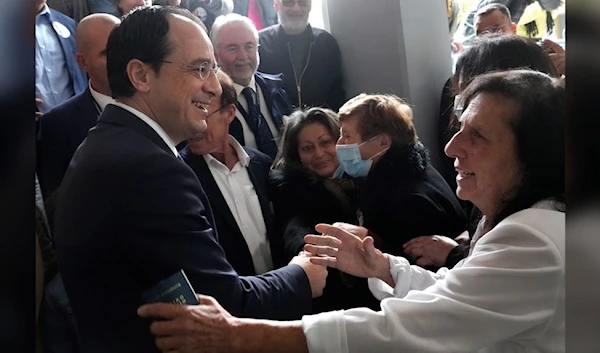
x: 175, y: 289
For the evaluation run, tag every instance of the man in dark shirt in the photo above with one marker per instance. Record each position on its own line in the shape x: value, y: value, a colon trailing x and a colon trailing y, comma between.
x: 308, y: 57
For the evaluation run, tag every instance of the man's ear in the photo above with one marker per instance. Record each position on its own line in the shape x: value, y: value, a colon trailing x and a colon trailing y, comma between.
x: 230, y: 113
x: 140, y: 75
x: 513, y: 27
x: 80, y: 58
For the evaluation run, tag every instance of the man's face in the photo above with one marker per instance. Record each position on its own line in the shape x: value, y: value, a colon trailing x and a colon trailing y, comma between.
x: 293, y: 14
x: 216, y: 134
x: 94, y: 55
x: 178, y: 97
x: 495, y: 22
x: 237, y: 52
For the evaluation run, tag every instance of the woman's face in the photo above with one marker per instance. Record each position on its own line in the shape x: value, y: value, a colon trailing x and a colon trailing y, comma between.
x: 316, y: 148
x: 485, y: 153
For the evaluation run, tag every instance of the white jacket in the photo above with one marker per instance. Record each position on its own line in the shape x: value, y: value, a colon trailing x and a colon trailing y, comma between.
x: 507, y: 296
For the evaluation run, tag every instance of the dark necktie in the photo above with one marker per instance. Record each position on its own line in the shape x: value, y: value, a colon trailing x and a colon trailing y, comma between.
x: 258, y: 125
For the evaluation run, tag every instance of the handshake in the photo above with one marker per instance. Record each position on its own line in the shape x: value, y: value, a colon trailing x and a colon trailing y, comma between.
x: 317, y: 274
x: 345, y: 247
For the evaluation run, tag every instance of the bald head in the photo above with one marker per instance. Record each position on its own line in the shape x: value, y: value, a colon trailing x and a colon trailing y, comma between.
x: 92, y: 36
x: 89, y: 25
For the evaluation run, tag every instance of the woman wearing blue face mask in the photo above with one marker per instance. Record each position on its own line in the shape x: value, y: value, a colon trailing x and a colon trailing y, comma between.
x: 400, y: 194
x: 305, y: 194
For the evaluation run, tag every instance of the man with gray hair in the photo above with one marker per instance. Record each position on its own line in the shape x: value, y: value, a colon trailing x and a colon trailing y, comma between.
x: 308, y: 57
x: 262, y: 101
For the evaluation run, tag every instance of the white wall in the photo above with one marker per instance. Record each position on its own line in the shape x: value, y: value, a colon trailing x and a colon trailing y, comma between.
x: 395, y: 46
x: 316, y: 17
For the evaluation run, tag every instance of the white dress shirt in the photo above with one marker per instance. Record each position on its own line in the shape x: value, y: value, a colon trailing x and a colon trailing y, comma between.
x: 101, y: 99
x: 508, y: 295
x: 249, y: 139
x: 153, y: 124
x: 239, y: 193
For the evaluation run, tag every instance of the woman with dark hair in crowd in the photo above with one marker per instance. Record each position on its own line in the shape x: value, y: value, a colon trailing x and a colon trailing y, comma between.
x: 508, y: 295
x: 305, y: 194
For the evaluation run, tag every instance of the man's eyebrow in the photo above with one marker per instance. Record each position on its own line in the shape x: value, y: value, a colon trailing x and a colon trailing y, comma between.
x: 200, y: 61
x: 103, y: 53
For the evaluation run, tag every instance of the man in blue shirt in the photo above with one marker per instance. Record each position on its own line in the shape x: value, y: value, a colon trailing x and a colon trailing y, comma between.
x: 57, y: 75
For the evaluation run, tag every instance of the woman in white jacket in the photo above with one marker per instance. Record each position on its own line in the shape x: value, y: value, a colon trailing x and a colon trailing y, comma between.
x: 506, y: 296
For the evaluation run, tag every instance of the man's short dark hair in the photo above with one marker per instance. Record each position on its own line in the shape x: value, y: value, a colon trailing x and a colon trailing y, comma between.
x: 229, y: 95
x: 488, y: 9
x: 143, y: 35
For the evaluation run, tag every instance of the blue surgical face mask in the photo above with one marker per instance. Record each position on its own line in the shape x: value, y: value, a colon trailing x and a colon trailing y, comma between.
x: 351, y: 162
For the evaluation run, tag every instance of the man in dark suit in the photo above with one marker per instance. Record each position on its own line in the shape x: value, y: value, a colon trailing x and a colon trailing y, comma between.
x: 131, y: 212
x: 262, y: 101
x: 57, y: 75
x: 64, y: 128
x: 235, y: 179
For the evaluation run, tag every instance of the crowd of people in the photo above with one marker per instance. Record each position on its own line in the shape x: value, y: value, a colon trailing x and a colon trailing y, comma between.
x: 216, y: 137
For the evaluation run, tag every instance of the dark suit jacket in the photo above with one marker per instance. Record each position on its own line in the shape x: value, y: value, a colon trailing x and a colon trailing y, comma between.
x: 277, y: 101
x: 61, y: 131
x: 79, y: 78
x: 267, y: 12
x: 130, y: 214
x: 230, y: 237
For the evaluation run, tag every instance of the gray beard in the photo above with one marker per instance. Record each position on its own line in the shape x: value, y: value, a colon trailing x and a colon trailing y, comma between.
x: 293, y: 27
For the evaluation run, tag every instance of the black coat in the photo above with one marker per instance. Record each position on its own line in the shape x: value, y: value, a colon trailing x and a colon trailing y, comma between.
x: 301, y: 203
x: 404, y: 197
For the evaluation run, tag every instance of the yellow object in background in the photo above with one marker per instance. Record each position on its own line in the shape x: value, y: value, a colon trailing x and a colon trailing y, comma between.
x: 535, y: 13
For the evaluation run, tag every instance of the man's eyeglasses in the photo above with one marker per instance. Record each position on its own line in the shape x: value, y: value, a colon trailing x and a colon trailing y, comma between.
x: 216, y: 110
x: 203, y: 70
x: 291, y: 3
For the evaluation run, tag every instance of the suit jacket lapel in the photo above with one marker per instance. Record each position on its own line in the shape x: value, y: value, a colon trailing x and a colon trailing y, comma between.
x: 260, y: 192
x: 88, y: 114
x: 217, y: 201
x: 269, y: 91
x: 259, y: 181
